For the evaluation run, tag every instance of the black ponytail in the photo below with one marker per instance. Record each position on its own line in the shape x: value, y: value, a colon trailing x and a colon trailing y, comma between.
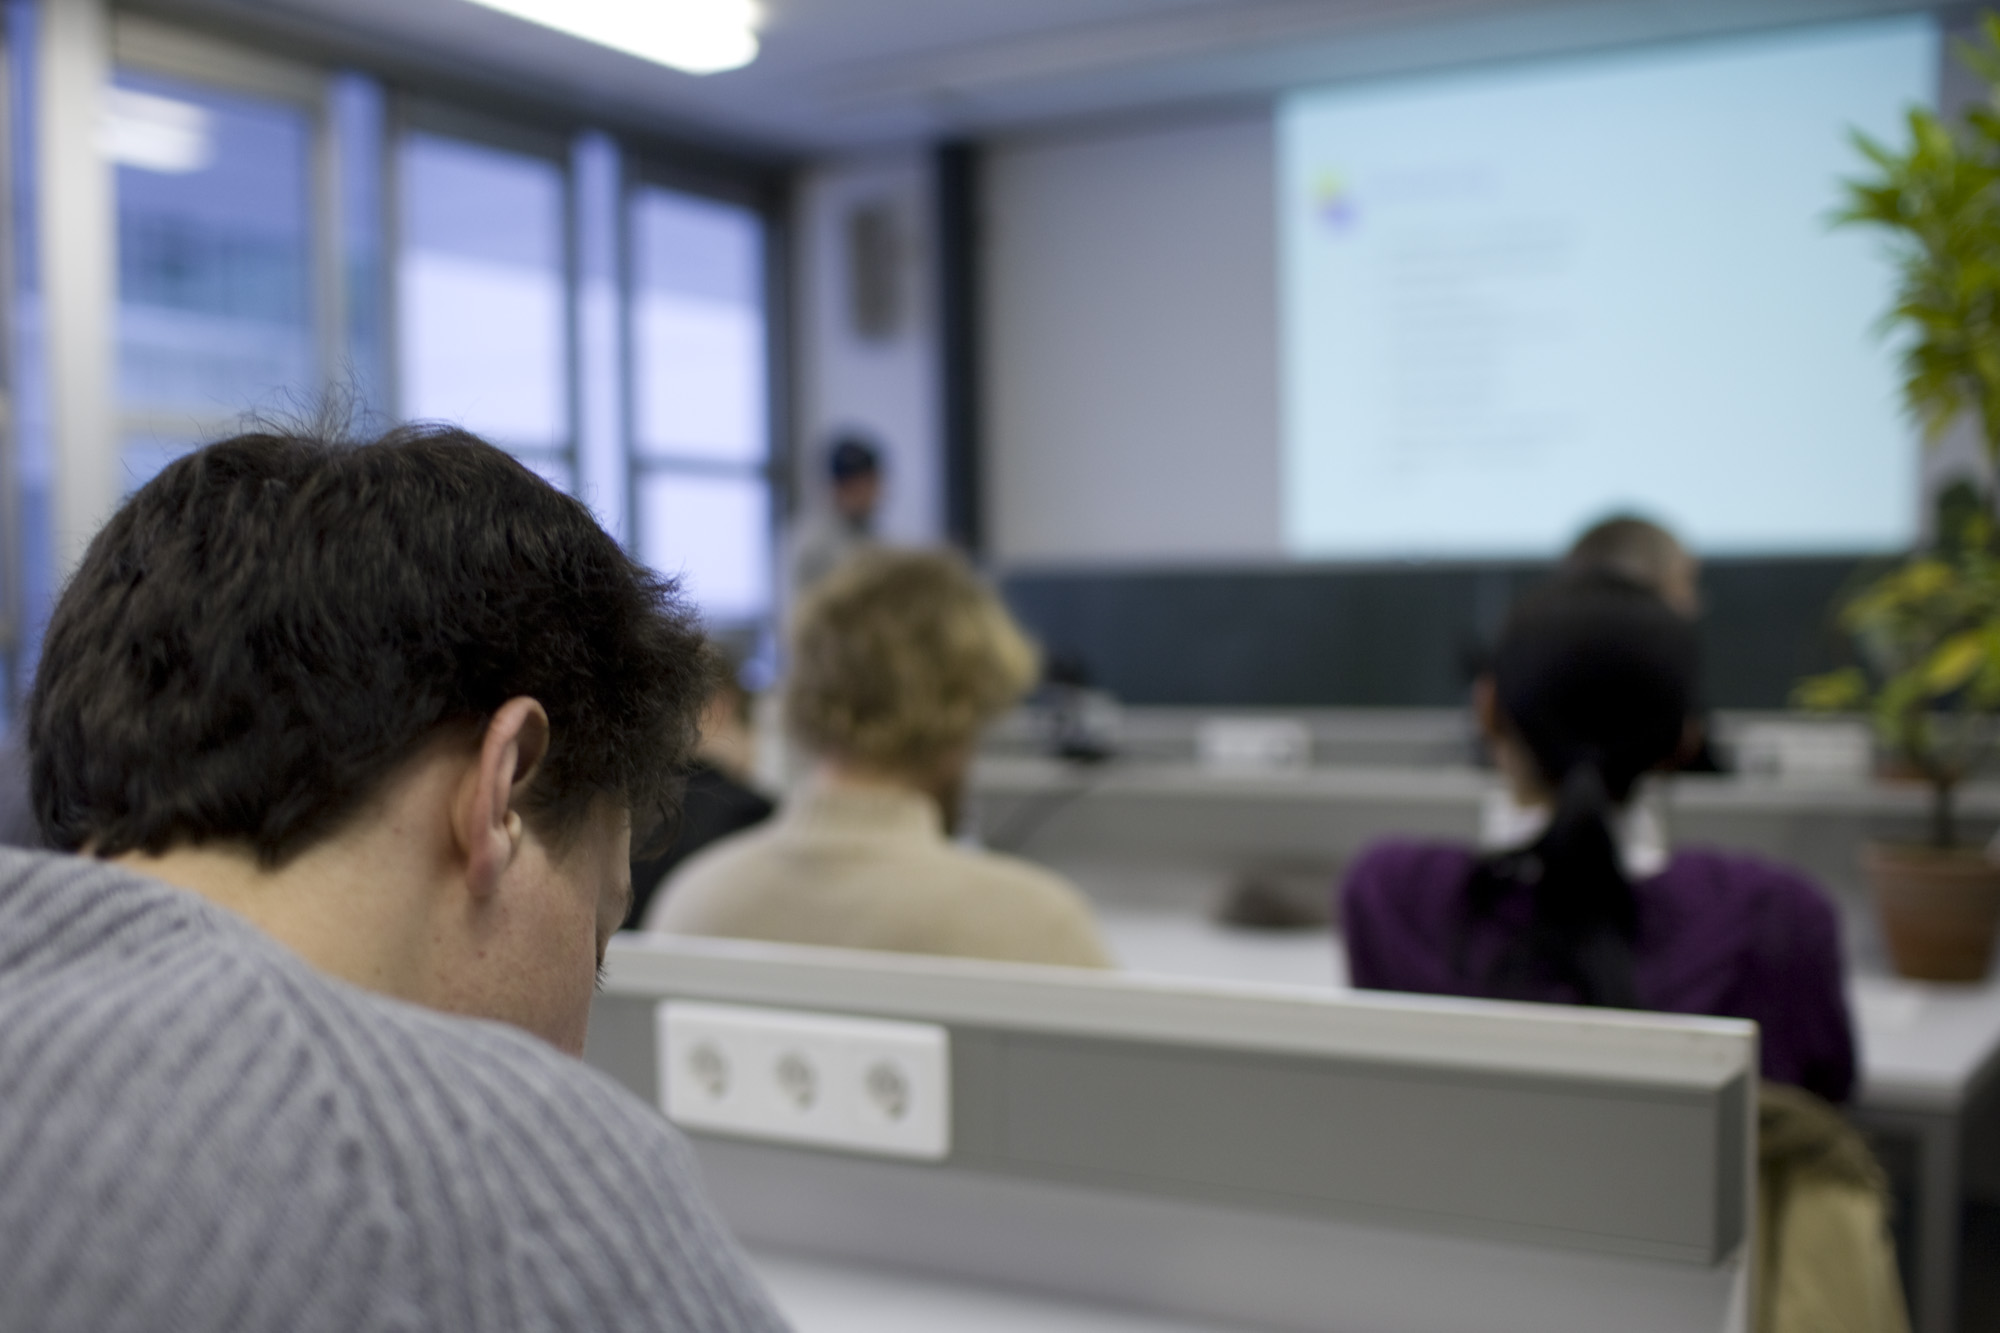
x: 1585, y: 918
x: 1595, y: 677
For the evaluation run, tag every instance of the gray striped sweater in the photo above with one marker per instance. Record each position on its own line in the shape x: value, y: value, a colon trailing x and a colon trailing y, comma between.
x: 199, y: 1132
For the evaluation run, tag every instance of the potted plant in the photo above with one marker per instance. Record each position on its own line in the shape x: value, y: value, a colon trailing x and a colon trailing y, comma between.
x: 1927, y: 633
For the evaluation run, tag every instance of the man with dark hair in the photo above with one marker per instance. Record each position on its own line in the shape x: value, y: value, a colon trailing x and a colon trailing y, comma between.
x: 351, y: 740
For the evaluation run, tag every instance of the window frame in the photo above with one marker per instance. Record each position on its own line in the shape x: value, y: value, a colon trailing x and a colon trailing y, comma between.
x: 15, y: 630
x: 537, y: 123
x: 765, y: 199
x: 147, y: 46
x: 410, y: 112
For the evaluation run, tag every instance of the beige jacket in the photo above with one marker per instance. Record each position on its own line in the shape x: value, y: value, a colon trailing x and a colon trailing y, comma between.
x: 1824, y: 1261
x: 870, y: 868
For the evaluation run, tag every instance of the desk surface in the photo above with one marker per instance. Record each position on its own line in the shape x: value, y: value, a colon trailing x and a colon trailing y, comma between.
x: 1184, y: 944
x: 1923, y: 1047
x: 1447, y: 784
x: 821, y: 1297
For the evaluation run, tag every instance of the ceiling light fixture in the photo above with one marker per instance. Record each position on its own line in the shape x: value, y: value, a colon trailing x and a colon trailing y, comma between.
x: 695, y: 36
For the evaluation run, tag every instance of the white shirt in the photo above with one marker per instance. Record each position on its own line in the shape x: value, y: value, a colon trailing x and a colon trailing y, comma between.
x: 1506, y: 825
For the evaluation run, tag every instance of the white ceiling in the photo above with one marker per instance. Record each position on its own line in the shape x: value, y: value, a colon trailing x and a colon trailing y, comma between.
x: 843, y: 74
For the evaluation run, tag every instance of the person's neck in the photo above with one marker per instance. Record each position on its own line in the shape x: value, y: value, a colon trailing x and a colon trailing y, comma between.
x: 355, y: 905
x: 729, y: 750
x: 1530, y: 795
x: 348, y: 920
x: 1517, y: 771
x: 944, y: 787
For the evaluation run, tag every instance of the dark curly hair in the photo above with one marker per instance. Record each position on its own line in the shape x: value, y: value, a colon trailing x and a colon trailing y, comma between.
x: 276, y: 622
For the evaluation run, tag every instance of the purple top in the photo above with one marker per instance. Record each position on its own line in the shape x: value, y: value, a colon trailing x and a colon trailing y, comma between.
x: 1719, y: 934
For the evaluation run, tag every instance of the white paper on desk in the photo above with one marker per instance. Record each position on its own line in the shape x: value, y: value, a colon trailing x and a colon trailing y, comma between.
x: 1884, y: 1004
x: 1253, y: 744
x: 1815, y: 750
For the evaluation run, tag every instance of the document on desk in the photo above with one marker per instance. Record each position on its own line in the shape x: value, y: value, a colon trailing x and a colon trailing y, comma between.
x: 1886, y: 1005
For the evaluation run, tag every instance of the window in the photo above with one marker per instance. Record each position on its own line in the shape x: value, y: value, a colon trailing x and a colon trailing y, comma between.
x: 285, y: 227
x: 215, y: 263
x: 700, y: 399
x: 356, y: 116
x: 482, y: 296
x: 27, y: 541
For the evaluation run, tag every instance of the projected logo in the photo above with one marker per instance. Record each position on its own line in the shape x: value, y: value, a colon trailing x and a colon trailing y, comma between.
x: 1333, y: 202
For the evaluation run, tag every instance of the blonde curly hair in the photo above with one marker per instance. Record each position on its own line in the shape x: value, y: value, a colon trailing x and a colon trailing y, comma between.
x: 899, y: 658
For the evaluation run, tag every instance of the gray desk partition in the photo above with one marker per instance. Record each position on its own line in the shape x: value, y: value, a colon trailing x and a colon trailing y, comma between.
x: 1151, y: 813
x: 1265, y: 1156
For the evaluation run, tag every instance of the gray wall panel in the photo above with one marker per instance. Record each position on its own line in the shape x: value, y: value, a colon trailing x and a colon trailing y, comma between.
x: 1389, y: 635
x: 623, y: 1045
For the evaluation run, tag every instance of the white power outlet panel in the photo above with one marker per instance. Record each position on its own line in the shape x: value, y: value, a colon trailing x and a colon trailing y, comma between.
x: 862, y: 1084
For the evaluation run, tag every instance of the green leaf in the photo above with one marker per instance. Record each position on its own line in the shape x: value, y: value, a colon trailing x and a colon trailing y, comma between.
x: 1954, y: 661
x: 1835, y: 692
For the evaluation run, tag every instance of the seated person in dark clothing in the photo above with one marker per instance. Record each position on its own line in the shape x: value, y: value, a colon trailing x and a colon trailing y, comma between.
x: 1589, y: 690
x: 720, y: 801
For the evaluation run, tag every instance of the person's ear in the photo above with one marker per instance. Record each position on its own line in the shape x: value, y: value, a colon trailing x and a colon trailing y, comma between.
x: 1693, y: 733
x: 1486, y: 707
x: 1683, y: 592
x: 487, y: 820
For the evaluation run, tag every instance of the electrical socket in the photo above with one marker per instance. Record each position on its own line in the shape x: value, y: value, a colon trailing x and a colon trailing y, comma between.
x: 863, y: 1084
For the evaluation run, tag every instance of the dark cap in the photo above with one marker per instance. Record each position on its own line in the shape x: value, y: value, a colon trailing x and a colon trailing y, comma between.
x: 853, y: 456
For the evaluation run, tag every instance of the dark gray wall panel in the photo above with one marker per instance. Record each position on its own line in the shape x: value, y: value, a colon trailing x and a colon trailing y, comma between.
x: 1396, y: 636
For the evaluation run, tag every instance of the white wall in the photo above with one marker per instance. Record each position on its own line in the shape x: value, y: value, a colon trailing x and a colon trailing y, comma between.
x: 888, y: 388
x: 1132, y: 357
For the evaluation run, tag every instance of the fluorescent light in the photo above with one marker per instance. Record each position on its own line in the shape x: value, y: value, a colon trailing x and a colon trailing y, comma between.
x: 697, y: 36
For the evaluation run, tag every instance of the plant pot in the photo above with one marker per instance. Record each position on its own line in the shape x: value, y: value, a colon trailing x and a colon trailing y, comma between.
x: 1939, y: 908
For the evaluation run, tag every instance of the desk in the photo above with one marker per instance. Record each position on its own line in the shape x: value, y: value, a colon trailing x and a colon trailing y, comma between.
x: 1930, y: 1069
x: 1174, y: 816
x: 1187, y: 945
x: 1930, y: 1058
x: 822, y: 1297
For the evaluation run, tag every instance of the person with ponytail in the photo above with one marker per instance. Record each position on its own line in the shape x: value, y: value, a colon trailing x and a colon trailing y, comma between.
x: 1575, y: 899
